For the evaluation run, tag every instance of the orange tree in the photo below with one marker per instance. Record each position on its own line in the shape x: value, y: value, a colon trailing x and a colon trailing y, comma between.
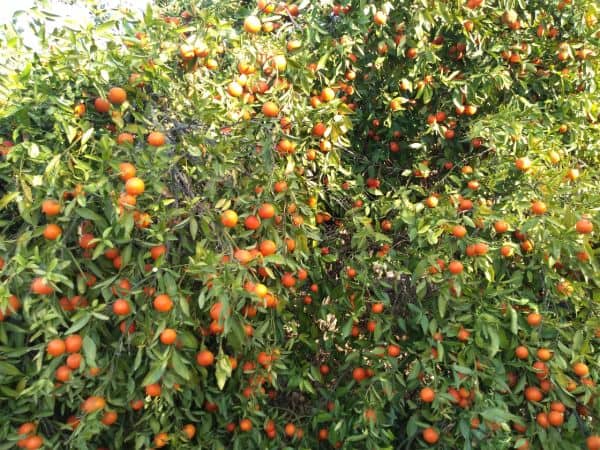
x: 266, y: 225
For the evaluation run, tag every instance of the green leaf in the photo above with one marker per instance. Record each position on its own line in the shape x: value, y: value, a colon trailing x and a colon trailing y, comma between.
x: 89, y: 351
x: 514, y: 327
x: 179, y: 366
x: 79, y: 324
x: 323, y: 60
x: 494, y: 345
x: 5, y: 200
x: 442, y: 303
x: 223, y: 370
x: 86, y: 136
x: 193, y: 227
x: 8, y: 369
x: 157, y: 369
x: 91, y: 215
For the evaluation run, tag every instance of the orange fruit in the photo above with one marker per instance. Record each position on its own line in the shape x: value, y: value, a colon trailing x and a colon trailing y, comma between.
x: 481, y: 248
x: 161, y: 440
x: 279, y: 62
x: 427, y: 395
x: 186, y: 52
x: 455, y: 267
x: 252, y: 223
x: 533, y: 394
x: 572, y: 174
x: 50, y: 207
x: 153, y: 390
x: 581, y: 369
x: 593, y: 442
x: 252, y: 24
x: 85, y: 241
x: 235, y: 89
x: 117, y: 95
x: 377, y: 308
x: 556, y: 418
x: 189, y: 430
x: 465, y: 205
x: 463, y: 335
x: 534, y: 319
x: 558, y: 406
x: 245, y: 425
x: 470, y: 110
x: 289, y: 429
x: 393, y: 350
x: 125, y: 138
x: 243, y: 256
x: 542, y: 420
x: 74, y: 361
x: 319, y: 129
x: 538, y: 208
x: 134, y: 186
x: 523, y: 164
x: 458, y: 231
x: 136, y: 405
x: 380, y: 18
x: 327, y: 95
x: 506, y: 251
x: 79, y: 110
x: 157, y: 251
x: 270, y: 109
x: 26, y: 428
x: 541, y: 370
x: 41, y: 287
x: 109, y: 418
x: 52, y: 232
x: 584, y: 226
x: 470, y: 250
x: 101, y: 105
x: 521, y: 352
x: 121, y: 307
x: 126, y: 171
x: 56, y: 347
x: 290, y: 244
x: 13, y: 305
x: 73, y: 343
x: 266, y: 211
x: 93, y: 403
x: 411, y: 53
x: 431, y: 201
x: 280, y: 186
x: 370, y: 415
x: 267, y: 247
x: 163, y: 303
x: 501, y: 226
x: 430, y: 435
x: 359, y: 374
x: 229, y: 218
x: 544, y: 354
x: 33, y: 442
x: 325, y: 145
x: 323, y: 434
x: 216, y: 311
x: 288, y: 280
x: 205, y: 358
x: 156, y: 139
x: 168, y: 336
